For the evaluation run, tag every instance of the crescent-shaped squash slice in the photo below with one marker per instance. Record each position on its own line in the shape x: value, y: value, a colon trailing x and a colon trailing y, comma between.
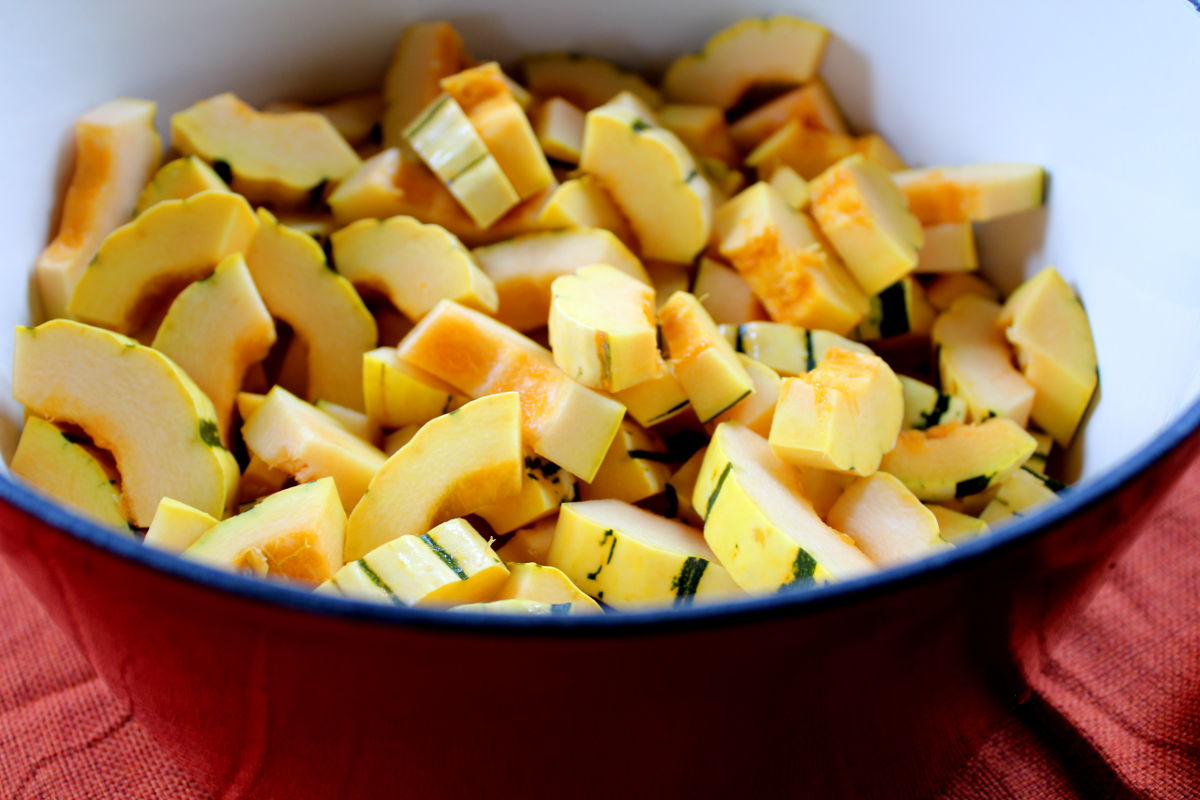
x: 134, y: 402
x: 455, y: 465
x: 542, y: 584
x: 776, y: 50
x: 166, y: 248
x: 886, y: 520
x: 116, y: 151
x: 215, y: 329
x: 47, y: 459
x: 273, y: 158
x: 703, y: 359
x: 296, y: 534
x: 291, y: 272
x: 955, y: 460
x: 413, y: 264
x: 584, y: 81
x: 653, y: 179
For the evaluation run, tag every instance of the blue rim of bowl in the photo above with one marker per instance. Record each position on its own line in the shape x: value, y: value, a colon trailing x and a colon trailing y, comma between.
x: 649, y: 622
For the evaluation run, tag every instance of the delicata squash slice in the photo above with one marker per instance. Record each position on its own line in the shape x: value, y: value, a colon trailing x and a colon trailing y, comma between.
x: 567, y: 344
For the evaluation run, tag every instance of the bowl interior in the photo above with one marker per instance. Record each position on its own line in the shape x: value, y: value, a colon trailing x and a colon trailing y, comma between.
x: 946, y: 83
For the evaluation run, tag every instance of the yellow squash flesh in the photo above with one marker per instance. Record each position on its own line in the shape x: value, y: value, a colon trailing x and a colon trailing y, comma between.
x: 562, y: 421
x: 134, y: 402
x: 117, y: 149
x: 456, y: 464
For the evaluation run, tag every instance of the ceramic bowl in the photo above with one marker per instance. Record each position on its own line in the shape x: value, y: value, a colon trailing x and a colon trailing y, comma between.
x: 875, y: 687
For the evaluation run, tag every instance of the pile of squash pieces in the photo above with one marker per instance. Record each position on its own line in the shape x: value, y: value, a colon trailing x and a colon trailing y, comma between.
x: 553, y: 345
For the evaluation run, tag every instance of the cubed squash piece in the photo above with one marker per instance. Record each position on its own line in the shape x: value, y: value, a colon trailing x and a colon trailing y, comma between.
x: 400, y: 437
x: 976, y: 363
x: 758, y: 522
x: 171, y: 245
x: 295, y: 281
x: 559, y: 127
x: 584, y: 81
x: 807, y: 151
x: 273, y: 158
x: 655, y: 399
x: 867, y: 219
x: 446, y: 566
x: 631, y: 559
x: 1049, y: 329
x: 775, y: 50
x: 295, y: 534
x: 414, y: 265
x: 634, y: 468
x: 134, y: 402
x: 50, y: 461
x: 530, y: 544
x: 781, y: 255
x: 948, y: 247
x: 794, y: 189
x: 602, y: 328
x: 215, y: 329
x: 117, y: 149
x: 177, y: 526
x: 175, y: 180
x: 562, y: 420
x: 973, y: 193
x: 843, y: 415
x: 822, y: 488
x: 544, y: 487
x: 945, y: 289
x: 455, y: 465
x: 484, y: 93
x: 544, y: 584
x: 294, y: 437
x: 886, y: 520
x: 1045, y: 442
x: 812, y: 105
x: 443, y: 136
x: 955, y: 527
x: 956, y: 460
x: 726, y: 181
x: 925, y: 407
x: 702, y: 130
x: 1018, y: 496
x: 785, y: 348
x: 757, y: 411
x: 705, y: 363
x: 725, y: 294
x: 653, y: 179
x: 425, y: 53
x: 398, y: 394
x: 898, y: 310
x: 259, y: 479
x: 582, y: 203
x: 524, y: 268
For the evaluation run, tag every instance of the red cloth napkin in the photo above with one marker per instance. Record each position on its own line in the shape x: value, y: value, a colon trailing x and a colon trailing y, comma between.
x: 1114, y: 712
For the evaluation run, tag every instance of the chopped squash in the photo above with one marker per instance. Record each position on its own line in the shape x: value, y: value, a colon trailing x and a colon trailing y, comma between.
x: 843, y: 415
x: 584, y: 81
x: 420, y: 486
x: 775, y: 50
x: 974, y: 193
x: 811, y: 105
x: 634, y: 468
x: 167, y: 247
x: 559, y: 128
x: 183, y: 177
x: 539, y: 583
x: 955, y: 460
x: 631, y: 559
x: 948, y: 247
x: 398, y: 394
x: 702, y: 130
x: 725, y: 294
x: 177, y: 526
x: 117, y: 149
x: 602, y: 328
x: 425, y: 53
x: 705, y: 363
x: 413, y: 264
x: 582, y: 203
x: 273, y: 158
x: 886, y: 520
x: 544, y: 487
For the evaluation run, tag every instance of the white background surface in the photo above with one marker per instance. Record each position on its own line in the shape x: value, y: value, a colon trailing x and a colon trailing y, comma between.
x: 1103, y: 93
